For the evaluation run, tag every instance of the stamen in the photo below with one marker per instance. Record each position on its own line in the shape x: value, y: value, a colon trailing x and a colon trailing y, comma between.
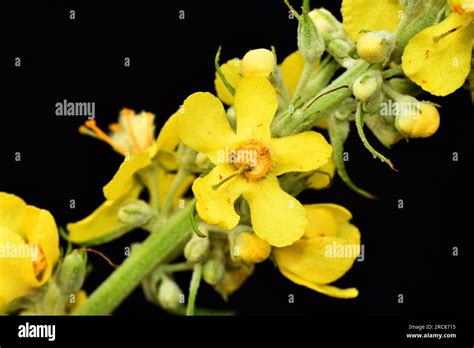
x: 93, y: 126
x: 131, y: 135
x: 114, y: 127
x: 39, y: 263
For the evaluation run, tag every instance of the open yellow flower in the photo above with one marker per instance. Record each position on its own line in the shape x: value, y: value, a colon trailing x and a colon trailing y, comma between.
x: 103, y: 224
x: 29, y: 248
x: 325, y: 253
x: 248, y: 161
x: 438, y: 58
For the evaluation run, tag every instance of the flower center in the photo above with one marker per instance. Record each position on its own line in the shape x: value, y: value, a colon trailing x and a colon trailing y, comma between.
x: 39, y: 262
x: 254, y: 159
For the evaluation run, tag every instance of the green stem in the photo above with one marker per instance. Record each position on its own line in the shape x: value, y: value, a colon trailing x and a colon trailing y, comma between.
x: 305, y: 76
x: 392, y: 72
x: 221, y: 75
x: 151, y: 178
x: 178, y: 180
x: 139, y: 264
x: 338, y: 132
x: 193, y: 288
x: 360, y: 131
x: 177, y: 267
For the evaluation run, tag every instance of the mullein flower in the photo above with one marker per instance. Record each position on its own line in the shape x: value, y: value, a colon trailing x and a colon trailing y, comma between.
x: 29, y: 243
x: 104, y: 223
x: 438, y: 59
x: 326, y: 251
x: 276, y: 216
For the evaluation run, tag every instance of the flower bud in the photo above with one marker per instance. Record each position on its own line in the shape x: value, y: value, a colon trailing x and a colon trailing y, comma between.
x: 213, y: 271
x: 233, y: 280
x: 420, y: 123
x: 249, y: 248
x: 135, y: 213
x: 169, y: 294
x: 259, y: 62
x: 202, y: 161
x: 310, y: 42
x: 367, y: 86
x: 375, y: 46
x: 71, y: 272
x: 323, y: 21
x: 196, y: 249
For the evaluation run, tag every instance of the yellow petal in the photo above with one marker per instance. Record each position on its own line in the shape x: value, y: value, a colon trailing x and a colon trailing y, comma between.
x: 168, y: 139
x: 370, y: 15
x: 299, y: 153
x: 325, y: 219
x: 317, y: 260
x: 438, y: 58
x: 40, y: 229
x: 231, y: 71
x: 277, y: 217
x: 203, y: 125
x: 215, y: 200
x: 255, y: 105
x: 17, y: 277
x: 103, y: 224
x: 328, y: 290
x: 323, y: 176
x: 291, y: 70
x: 124, y: 180
x: 12, y: 209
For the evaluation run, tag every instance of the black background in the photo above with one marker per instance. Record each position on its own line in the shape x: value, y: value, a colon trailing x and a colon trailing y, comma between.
x: 407, y: 251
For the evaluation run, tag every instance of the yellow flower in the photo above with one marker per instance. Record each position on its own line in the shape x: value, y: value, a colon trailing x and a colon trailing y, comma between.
x: 438, y: 58
x: 325, y: 253
x: 370, y: 15
x: 248, y: 161
x: 134, y: 133
x: 29, y: 248
x: 103, y: 224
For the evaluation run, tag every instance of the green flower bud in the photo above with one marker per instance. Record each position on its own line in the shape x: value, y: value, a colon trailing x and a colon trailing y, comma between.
x: 169, y: 294
x: 324, y: 21
x: 367, y: 86
x: 376, y: 46
x: 213, y: 271
x: 71, y: 272
x: 196, y: 249
x: 310, y: 42
x: 202, y: 161
x: 135, y: 213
